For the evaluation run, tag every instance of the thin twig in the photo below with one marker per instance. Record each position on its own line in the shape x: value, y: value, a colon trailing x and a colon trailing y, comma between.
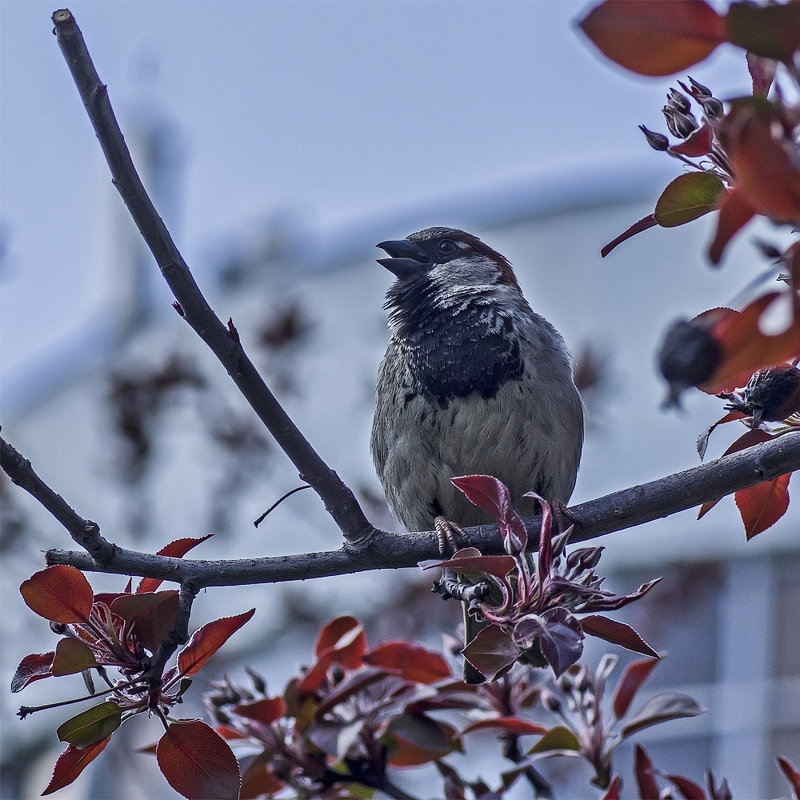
x: 339, y: 500
x: 614, y: 512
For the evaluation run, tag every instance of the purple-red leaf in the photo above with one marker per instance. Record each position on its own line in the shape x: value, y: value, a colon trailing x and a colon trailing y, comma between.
x: 492, y: 495
x: 642, y: 225
x: 72, y: 761
x: 771, y: 31
x: 72, y: 655
x: 32, y: 668
x: 792, y: 775
x: 207, y: 640
x: 266, y: 710
x: 643, y: 771
x: 559, y: 634
x: 633, y: 677
x: 59, y: 593
x: 515, y: 725
x: 617, y: 633
x: 198, y: 762
x: 689, y: 789
x: 491, y: 652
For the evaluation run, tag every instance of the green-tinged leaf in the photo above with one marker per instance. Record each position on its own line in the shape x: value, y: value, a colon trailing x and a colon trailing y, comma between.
x: 688, y: 197
x: 72, y: 761
x: 198, y: 762
x: 207, y: 640
x: 72, y: 655
x: 419, y: 740
x: 556, y: 739
x: 32, y: 668
x: 770, y: 31
x: 661, y: 708
x: 59, y: 593
x: 91, y: 726
x: 152, y: 615
x: 657, y: 37
x: 491, y: 652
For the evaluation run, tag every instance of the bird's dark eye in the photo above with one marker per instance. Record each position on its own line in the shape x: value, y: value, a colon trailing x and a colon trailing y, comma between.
x: 447, y: 246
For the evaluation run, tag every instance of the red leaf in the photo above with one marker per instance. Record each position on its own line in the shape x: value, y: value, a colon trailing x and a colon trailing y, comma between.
x: 702, y: 440
x: 643, y: 771
x: 688, y: 197
x: 464, y: 559
x: 410, y: 661
x: 492, y: 495
x: 762, y: 505
x: 72, y: 655
x: 197, y: 762
x: 152, y: 615
x: 176, y: 549
x: 792, y: 775
x: 32, y: 668
x: 634, y: 676
x: 59, y: 593
x: 617, y: 633
x: 514, y: 725
x: 763, y: 158
x: 697, y: 144
x: 347, y: 637
x: 612, y: 793
x: 257, y: 780
x: 266, y: 710
x: 746, y: 348
x: 762, y: 73
x: 734, y: 213
x: 207, y: 640
x: 642, y: 225
x: 72, y: 762
x: 655, y: 37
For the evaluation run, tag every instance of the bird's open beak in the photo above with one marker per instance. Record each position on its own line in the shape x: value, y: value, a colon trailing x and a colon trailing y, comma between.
x: 407, y: 258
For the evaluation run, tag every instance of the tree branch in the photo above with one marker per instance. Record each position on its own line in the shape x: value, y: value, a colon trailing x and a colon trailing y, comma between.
x: 617, y: 511
x: 339, y: 501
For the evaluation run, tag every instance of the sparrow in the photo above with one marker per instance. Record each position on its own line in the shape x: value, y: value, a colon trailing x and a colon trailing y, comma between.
x: 473, y: 382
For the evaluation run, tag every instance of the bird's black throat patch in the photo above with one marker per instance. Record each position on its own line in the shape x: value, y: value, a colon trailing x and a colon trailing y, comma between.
x: 453, y: 350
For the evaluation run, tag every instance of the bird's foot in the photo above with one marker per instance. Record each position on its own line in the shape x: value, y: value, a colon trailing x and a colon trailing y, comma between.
x: 448, y: 535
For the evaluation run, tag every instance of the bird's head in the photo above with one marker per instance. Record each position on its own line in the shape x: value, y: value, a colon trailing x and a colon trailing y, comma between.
x: 447, y: 258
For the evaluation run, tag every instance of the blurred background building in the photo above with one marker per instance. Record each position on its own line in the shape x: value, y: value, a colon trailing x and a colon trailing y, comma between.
x: 296, y: 137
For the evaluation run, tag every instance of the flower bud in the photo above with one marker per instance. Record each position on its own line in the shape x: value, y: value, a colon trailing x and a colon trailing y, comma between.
x: 680, y: 124
x: 678, y: 101
x: 771, y: 395
x: 712, y: 107
x: 656, y: 140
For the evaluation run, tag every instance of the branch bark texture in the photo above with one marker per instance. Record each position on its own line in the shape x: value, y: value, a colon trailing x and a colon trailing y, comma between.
x: 382, y: 550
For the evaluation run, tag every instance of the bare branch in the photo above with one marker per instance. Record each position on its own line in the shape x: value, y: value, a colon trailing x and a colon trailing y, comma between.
x: 617, y: 511
x: 339, y: 501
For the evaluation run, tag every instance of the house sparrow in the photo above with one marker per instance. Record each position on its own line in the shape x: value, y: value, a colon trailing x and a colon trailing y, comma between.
x: 473, y: 381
